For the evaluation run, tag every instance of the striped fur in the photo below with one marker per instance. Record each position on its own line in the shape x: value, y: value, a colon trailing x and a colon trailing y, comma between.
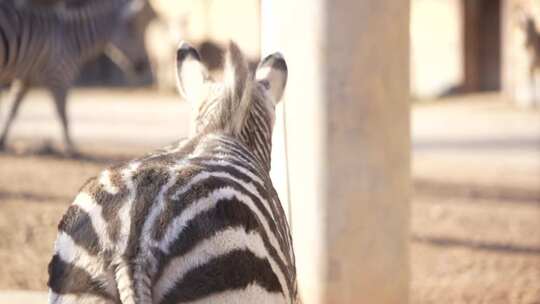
x: 197, y: 222
x: 48, y: 47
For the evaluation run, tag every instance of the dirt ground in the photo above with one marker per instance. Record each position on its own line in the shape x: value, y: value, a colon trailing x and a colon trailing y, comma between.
x: 475, y: 215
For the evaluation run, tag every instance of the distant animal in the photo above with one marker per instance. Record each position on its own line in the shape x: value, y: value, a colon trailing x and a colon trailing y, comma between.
x: 196, y: 222
x: 47, y: 47
x: 532, y: 45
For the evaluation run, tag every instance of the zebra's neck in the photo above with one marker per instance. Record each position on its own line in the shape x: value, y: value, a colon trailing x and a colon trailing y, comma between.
x: 91, y: 28
x: 257, y: 133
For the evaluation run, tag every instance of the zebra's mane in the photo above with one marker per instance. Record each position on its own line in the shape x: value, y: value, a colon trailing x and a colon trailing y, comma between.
x: 228, y: 104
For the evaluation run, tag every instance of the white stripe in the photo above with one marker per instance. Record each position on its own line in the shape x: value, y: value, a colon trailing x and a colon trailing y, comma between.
x: 71, y: 253
x: 105, y: 181
x: 124, y: 214
x: 86, y: 203
x: 251, y: 294
x: 65, y: 247
x: 55, y: 298
x: 219, y: 245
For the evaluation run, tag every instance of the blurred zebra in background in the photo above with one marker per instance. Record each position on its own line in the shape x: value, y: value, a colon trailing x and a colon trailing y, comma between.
x: 532, y: 45
x: 48, y: 46
x: 199, y: 222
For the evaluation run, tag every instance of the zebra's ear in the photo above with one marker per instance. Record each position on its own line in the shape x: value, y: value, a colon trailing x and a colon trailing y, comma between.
x: 191, y: 74
x: 272, y: 74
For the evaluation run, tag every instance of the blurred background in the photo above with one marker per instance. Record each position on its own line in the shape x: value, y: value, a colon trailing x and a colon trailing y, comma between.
x: 474, y: 124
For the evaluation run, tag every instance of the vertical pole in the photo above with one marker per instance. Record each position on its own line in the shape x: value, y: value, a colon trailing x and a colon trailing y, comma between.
x: 348, y: 140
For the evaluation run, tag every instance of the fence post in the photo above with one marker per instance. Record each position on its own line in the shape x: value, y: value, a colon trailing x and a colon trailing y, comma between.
x: 347, y: 117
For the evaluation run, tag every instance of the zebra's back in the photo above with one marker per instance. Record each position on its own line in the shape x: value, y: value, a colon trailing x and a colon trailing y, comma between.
x: 33, y: 46
x: 201, y: 223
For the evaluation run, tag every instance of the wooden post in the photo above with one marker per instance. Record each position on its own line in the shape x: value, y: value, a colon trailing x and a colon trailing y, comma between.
x: 348, y: 144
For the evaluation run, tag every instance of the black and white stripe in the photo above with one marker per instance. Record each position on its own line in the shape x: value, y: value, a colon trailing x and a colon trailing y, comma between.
x: 197, y: 222
x: 48, y: 47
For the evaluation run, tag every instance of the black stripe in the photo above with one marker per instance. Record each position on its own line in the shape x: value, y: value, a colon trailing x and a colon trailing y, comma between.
x: 78, y: 225
x: 233, y: 271
x: 65, y: 278
x: 18, y: 35
x: 7, y: 29
x: 5, y: 46
x: 23, y: 39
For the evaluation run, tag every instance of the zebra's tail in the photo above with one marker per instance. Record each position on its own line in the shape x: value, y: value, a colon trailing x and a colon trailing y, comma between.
x: 134, y: 284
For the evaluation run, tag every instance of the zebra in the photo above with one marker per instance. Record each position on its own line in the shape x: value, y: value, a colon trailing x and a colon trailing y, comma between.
x: 198, y: 221
x: 48, y: 47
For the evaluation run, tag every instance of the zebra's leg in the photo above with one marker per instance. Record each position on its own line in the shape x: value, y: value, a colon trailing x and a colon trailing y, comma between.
x: 60, y: 100
x: 17, y: 91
